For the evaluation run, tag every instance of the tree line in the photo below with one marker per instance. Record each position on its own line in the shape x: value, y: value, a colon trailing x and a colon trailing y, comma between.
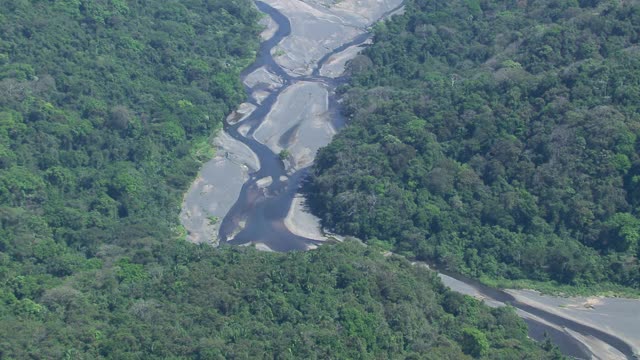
x: 106, y: 109
x: 499, y: 139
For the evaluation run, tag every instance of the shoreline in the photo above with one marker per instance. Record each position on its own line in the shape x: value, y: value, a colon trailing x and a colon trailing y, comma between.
x: 301, y: 222
x: 592, y: 312
x: 278, y: 217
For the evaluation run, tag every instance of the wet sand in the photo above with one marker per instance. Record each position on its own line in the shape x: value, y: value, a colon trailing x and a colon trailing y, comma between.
x: 299, y: 122
x: 216, y: 189
x: 616, y: 316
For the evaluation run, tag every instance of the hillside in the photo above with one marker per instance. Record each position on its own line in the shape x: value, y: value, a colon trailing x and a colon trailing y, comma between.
x: 187, y: 301
x: 106, y: 108
x: 499, y: 139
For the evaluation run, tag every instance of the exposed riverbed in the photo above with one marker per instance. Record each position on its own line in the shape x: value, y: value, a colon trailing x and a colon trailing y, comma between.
x: 584, y: 328
x: 249, y: 193
x: 290, y: 113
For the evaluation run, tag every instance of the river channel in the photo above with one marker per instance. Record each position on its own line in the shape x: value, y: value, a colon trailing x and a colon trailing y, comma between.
x: 248, y: 193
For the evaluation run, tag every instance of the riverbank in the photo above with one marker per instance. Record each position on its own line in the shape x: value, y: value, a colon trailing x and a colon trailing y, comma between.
x: 580, y: 334
x: 292, y: 105
x: 616, y: 316
x: 606, y: 328
x: 301, y: 222
x: 288, y: 116
x: 216, y: 189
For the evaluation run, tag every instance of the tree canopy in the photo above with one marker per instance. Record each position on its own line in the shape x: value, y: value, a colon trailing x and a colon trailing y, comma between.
x: 180, y: 300
x: 106, y: 108
x: 499, y: 139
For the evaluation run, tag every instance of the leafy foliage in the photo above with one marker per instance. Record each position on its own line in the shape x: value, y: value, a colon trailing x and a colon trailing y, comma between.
x: 179, y: 299
x: 497, y: 138
x: 100, y: 104
x: 105, y: 111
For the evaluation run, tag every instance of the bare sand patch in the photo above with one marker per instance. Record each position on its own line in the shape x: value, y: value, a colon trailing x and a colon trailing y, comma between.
x: 244, y: 129
x: 616, y: 316
x: 301, y: 222
x: 335, y: 66
x: 235, y: 151
x: 260, y: 95
x: 270, y: 28
x: 366, y: 12
x: 598, y: 348
x: 319, y: 27
x: 264, y: 182
x: 216, y: 189
x: 243, y: 111
x: 264, y: 79
x: 466, y: 289
x: 262, y: 247
x: 299, y: 122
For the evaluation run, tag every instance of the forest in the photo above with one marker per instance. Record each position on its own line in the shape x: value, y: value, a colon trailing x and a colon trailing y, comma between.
x: 106, y: 112
x: 179, y: 300
x: 498, y: 139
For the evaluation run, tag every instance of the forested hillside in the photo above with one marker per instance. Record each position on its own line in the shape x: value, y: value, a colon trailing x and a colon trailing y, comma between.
x: 198, y: 302
x: 498, y: 138
x: 106, y: 108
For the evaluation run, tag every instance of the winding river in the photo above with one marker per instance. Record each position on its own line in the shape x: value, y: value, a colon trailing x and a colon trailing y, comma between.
x: 258, y: 215
x: 265, y: 208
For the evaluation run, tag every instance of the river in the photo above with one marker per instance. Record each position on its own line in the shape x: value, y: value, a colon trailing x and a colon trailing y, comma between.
x: 260, y: 187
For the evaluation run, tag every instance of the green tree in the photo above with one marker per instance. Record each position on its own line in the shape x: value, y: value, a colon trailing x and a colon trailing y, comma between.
x: 474, y: 342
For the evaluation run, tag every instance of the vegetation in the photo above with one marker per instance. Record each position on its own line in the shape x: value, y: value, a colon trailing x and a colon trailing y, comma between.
x: 105, y: 111
x: 284, y: 154
x: 179, y: 299
x: 499, y: 139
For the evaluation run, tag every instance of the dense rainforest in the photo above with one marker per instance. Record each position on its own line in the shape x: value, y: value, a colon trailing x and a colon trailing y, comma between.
x: 106, y: 109
x: 180, y: 300
x: 496, y: 138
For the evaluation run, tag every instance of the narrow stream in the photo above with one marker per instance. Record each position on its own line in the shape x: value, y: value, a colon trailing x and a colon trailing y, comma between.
x: 260, y: 212
x: 264, y: 210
